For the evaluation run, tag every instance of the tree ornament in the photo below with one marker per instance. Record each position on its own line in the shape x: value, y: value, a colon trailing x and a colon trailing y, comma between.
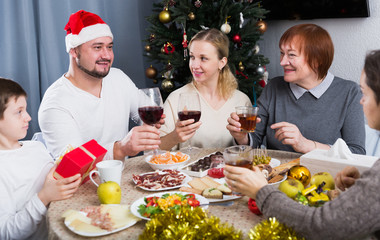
x: 155, y: 81
x: 260, y: 69
x: 184, y: 44
x: 191, y: 16
x: 300, y: 173
x: 256, y: 49
x: 226, y: 28
x: 163, y: 49
x: 241, y: 20
x: 198, y: 4
x: 164, y: 16
x: 152, y: 37
x: 169, y: 48
x: 169, y: 66
x: 167, y: 85
x: 151, y: 72
x: 261, y: 25
x: 171, y: 3
x: 241, y: 66
x: 236, y: 38
x: 239, y: 44
x: 147, y: 48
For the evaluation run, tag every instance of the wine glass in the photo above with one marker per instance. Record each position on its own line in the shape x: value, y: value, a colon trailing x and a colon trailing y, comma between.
x: 150, y: 107
x: 189, y: 107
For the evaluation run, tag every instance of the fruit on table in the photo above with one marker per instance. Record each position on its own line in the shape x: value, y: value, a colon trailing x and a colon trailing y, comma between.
x: 291, y: 187
x: 320, y: 177
x: 300, y: 173
x: 109, y: 193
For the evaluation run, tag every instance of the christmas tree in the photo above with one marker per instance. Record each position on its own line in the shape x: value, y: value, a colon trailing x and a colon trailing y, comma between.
x: 173, y: 23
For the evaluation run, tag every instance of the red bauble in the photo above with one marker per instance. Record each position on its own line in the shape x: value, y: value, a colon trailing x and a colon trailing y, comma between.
x: 262, y: 83
x: 236, y: 38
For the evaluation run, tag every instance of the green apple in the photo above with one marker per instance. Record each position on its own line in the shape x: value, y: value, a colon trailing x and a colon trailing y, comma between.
x: 291, y: 187
x: 109, y: 193
x: 320, y: 177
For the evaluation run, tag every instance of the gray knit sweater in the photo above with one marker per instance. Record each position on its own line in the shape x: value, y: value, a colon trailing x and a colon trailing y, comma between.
x: 336, y: 114
x: 353, y: 215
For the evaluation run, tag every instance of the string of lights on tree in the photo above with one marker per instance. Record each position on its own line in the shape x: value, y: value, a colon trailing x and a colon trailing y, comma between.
x: 174, y: 22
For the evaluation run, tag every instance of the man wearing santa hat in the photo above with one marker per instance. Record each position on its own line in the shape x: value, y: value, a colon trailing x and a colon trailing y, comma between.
x: 93, y: 100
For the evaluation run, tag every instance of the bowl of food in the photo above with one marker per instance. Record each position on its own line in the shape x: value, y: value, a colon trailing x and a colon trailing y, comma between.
x: 167, y: 160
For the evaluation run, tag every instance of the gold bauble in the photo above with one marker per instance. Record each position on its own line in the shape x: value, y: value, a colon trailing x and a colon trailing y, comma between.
x: 164, y: 16
x: 147, y: 48
x: 241, y: 66
x: 191, y: 16
x: 151, y: 72
x: 262, y: 26
x: 167, y: 85
x: 301, y: 174
x: 155, y: 81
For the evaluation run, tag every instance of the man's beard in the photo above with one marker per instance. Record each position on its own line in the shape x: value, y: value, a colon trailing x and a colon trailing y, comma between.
x: 93, y: 73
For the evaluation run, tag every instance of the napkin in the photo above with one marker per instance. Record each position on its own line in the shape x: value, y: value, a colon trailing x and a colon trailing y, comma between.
x: 340, y: 150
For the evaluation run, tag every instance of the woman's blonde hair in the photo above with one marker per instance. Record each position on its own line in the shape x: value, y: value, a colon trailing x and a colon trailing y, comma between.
x: 227, y: 82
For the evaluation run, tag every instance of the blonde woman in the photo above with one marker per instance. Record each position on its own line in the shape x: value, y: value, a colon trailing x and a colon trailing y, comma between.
x: 217, y: 90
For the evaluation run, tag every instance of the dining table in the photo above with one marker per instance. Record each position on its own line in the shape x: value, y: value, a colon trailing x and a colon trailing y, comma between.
x: 235, y: 213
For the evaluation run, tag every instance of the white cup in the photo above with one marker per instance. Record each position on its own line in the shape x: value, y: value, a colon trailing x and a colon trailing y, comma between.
x: 108, y: 170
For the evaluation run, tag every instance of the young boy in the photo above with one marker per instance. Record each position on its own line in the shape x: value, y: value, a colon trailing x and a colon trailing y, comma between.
x: 27, y: 185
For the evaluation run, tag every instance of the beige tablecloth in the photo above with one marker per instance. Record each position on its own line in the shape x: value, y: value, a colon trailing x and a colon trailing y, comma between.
x: 235, y: 213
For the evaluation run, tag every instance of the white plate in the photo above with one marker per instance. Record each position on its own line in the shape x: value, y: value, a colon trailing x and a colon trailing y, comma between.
x: 274, y: 162
x: 86, y: 234
x: 184, y: 181
x: 225, y: 197
x: 135, y: 206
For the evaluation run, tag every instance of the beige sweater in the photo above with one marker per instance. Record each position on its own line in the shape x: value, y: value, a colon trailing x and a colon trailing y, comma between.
x: 213, y: 132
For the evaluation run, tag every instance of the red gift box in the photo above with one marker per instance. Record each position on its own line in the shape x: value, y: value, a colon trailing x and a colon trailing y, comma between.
x: 81, y: 160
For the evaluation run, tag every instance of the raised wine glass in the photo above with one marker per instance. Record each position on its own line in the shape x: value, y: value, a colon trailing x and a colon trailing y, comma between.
x: 150, y: 107
x: 189, y: 107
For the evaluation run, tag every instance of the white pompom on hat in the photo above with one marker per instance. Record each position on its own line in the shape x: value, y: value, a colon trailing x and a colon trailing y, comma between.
x: 83, y: 27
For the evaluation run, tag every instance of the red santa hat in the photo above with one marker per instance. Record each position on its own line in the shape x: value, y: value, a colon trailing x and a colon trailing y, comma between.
x: 83, y: 27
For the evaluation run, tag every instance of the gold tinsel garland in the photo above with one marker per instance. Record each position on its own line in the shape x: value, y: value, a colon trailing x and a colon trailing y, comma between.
x: 193, y: 223
x: 189, y: 224
x: 271, y: 229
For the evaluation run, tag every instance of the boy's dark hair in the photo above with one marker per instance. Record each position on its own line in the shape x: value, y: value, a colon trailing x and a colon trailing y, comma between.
x: 371, y: 69
x: 9, y: 89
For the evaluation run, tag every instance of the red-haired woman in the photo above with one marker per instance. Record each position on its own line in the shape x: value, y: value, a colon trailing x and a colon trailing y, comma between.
x: 308, y: 107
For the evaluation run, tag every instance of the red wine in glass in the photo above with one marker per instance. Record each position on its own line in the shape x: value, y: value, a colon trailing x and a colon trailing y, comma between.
x: 185, y: 115
x: 151, y: 114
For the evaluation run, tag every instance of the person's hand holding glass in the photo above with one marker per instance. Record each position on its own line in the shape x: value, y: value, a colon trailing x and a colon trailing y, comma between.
x: 189, y: 107
x: 150, y: 107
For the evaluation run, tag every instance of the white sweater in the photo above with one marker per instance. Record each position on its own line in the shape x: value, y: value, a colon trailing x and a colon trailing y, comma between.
x: 22, y: 175
x: 69, y: 115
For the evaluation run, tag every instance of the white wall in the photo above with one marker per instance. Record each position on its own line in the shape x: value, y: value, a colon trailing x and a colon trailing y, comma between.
x: 352, y: 37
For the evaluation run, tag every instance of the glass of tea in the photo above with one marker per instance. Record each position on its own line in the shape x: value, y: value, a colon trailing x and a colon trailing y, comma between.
x: 238, y: 156
x: 189, y: 107
x: 150, y: 107
x: 247, y: 117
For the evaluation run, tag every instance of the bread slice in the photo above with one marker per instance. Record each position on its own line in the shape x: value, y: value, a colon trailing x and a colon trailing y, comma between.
x: 197, y: 183
x: 209, y: 182
x: 212, y: 193
x: 224, y: 189
x: 191, y: 190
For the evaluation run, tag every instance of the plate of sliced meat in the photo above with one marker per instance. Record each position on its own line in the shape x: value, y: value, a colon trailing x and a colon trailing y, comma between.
x: 161, y: 180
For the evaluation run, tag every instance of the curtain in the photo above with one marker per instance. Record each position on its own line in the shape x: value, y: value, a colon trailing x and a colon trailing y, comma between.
x: 32, y: 42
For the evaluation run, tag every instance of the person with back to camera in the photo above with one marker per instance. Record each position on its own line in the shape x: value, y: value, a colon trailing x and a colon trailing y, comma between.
x: 217, y: 90
x: 93, y: 100
x: 27, y: 185
x: 308, y: 107
x: 355, y: 213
